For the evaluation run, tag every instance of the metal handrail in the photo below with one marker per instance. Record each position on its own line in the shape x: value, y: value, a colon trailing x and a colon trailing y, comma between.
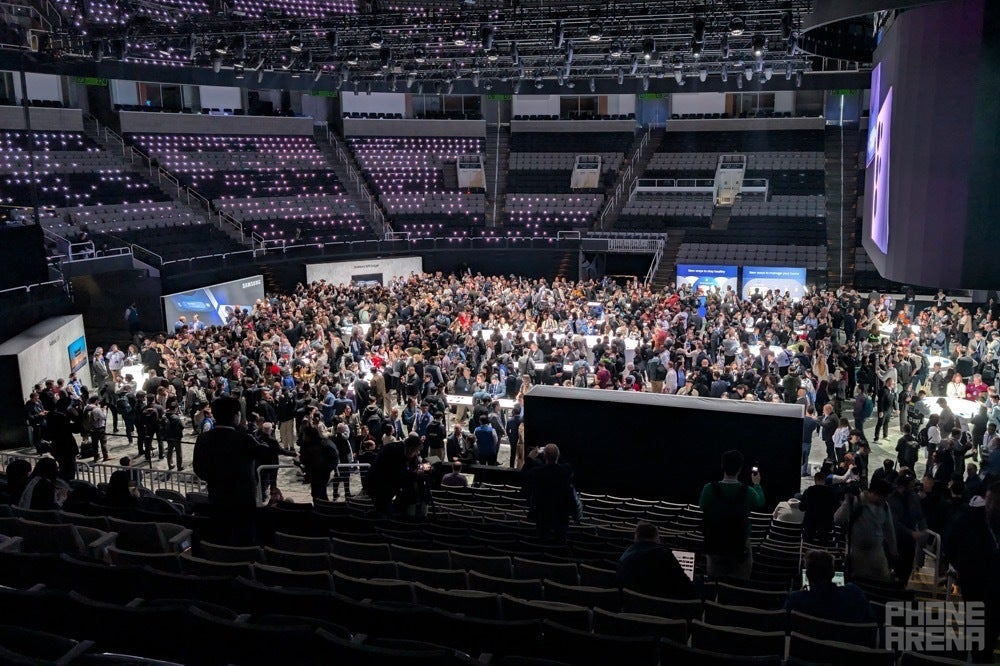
x: 98, y: 473
x: 625, y: 183
x: 359, y: 183
x: 654, y: 265
x: 28, y: 287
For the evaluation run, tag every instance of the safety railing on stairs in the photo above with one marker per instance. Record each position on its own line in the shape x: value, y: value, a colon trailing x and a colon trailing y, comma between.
x: 625, y: 182
x: 654, y: 265
x: 359, y: 183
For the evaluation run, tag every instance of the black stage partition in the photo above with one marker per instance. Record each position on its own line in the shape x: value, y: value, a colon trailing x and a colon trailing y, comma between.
x: 664, y: 446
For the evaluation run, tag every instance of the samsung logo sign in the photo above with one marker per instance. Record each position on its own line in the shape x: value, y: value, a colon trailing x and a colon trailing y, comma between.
x: 251, y: 283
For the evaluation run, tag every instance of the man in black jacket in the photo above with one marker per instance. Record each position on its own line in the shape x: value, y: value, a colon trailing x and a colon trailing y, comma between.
x: 884, y: 405
x: 551, y: 496
x: 651, y: 568
x: 226, y: 458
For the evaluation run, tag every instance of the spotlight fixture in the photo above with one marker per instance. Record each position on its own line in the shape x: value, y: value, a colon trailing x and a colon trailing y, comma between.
x: 296, y: 44
x: 724, y: 47
x: 392, y: 82
x: 634, y: 66
x: 793, y: 44
x: 222, y: 47
x: 517, y: 86
x: 238, y: 72
x: 410, y: 80
x: 798, y: 79
x: 345, y: 73
x: 679, y: 75
x: 217, y: 64
x: 768, y: 73
x: 475, y: 79
x: 352, y: 58
x: 420, y: 55
x: 459, y: 37
x: 558, y: 35
x: 645, y: 82
x: 375, y: 40
x: 514, y: 55
x: 617, y: 49
x: 699, y: 30
x: 696, y: 49
x: 492, y: 55
x: 593, y: 84
x: 648, y: 48
x: 488, y: 85
x: 759, y: 43
x: 748, y: 73
x: 385, y: 57
x: 621, y: 76
x: 163, y: 48
x: 594, y: 32
x: 538, y: 83
x: 788, y: 72
x: 260, y: 75
x: 724, y: 73
x: 317, y: 73
x: 736, y: 26
x: 739, y: 82
x: 486, y: 36
x: 786, y: 25
x: 703, y: 74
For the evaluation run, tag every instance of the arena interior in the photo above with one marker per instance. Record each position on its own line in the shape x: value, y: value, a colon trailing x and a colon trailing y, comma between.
x: 499, y: 332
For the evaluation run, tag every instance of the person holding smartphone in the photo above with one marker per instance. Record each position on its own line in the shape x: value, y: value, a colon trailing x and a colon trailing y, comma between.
x: 726, y: 507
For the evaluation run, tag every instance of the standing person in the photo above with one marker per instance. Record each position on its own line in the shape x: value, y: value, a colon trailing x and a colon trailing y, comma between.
x: 99, y: 367
x: 116, y: 361
x: 828, y: 423
x: 909, y: 523
x: 319, y: 458
x: 98, y: 418
x: 885, y: 404
x: 226, y: 458
x: 173, y: 432
x: 862, y: 408
x: 60, y: 433
x: 35, y: 413
x: 809, y: 427
x: 726, y: 507
x: 132, y: 318
x: 907, y: 448
x: 149, y: 425
x: 552, y: 499
x: 871, y: 534
x: 487, y: 442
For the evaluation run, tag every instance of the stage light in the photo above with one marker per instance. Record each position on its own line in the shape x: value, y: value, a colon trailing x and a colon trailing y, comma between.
x: 594, y: 32
x: 724, y: 47
x: 392, y: 82
x: 488, y: 85
x: 410, y: 80
x: 486, y: 35
x: 163, y: 48
x: 296, y: 44
x: 593, y: 84
x: 515, y: 57
x: 459, y: 37
x: 385, y: 57
x: 345, y: 73
x: 420, y: 55
x: 748, y: 73
x: 645, y: 81
x: 648, y: 48
x: 260, y: 75
x: 217, y: 64
x: 768, y: 73
x: 420, y: 88
x: 221, y: 47
x: 475, y: 79
x: 558, y: 35
x: 736, y: 26
x: 492, y: 55
x: 569, y: 52
x: 538, y: 83
x: 739, y: 82
x: 798, y: 79
x: 786, y: 25
x: 703, y: 74
x: 634, y: 66
x: 793, y: 45
x: 318, y: 72
x: 788, y: 72
x: 696, y: 49
x: 759, y: 44
x: 699, y: 30
x: 239, y: 72
x: 725, y: 72
x: 621, y: 76
x: 617, y: 49
x: 375, y: 39
x: 517, y: 86
x: 679, y: 75
x: 352, y: 58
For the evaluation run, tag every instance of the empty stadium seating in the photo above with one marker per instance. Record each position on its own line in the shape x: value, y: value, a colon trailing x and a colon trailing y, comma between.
x: 280, y: 187
x: 543, y: 215
x: 415, y: 180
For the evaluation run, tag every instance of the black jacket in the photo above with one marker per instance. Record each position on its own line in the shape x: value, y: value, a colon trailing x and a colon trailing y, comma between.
x: 651, y: 568
x: 226, y: 459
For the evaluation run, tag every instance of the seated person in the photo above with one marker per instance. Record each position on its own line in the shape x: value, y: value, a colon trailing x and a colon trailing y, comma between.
x: 650, y: 568
x: 455, y: 478
x: 825, y: 600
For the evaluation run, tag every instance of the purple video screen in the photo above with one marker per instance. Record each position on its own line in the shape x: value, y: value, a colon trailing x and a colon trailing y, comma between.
x: 882, y: 131
x: 875, y: 99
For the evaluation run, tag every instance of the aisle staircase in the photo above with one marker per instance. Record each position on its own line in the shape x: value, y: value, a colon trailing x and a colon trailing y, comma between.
x: 666, y: 272
x: 496, y: 159
x: 842, y: 156
x: 342, y: 161
x: 632, y: 170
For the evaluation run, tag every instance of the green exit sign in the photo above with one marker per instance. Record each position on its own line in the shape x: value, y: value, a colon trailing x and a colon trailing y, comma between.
x: 91, y: 81
x: 845, y: 91
x: 649, y: 95
x: 499, y: 97
x: 325, y: 93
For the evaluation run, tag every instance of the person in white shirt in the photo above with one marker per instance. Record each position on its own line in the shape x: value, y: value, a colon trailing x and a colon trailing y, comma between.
x: 670, y: 382
x: 115, y: 358
x: 955, y: 388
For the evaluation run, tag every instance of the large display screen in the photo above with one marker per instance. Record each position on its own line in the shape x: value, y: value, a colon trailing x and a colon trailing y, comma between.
x: 215, y: 303
x: 874, y: 102
x: 880, y: 175
x: 703, y: 279
x: 77, y: 354
x: 782, y: 280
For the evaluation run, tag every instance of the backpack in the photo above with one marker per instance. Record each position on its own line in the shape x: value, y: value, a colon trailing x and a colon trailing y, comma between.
x: 726, y: 525
x: 86, y: 422
x: 923, y: 438
x: 149, y: 419
x: 123, y: 405
x: 869, y: 407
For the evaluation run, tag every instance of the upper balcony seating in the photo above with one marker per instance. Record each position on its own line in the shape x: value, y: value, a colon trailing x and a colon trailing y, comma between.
x: 748, y: 141
x: 545, y: 215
